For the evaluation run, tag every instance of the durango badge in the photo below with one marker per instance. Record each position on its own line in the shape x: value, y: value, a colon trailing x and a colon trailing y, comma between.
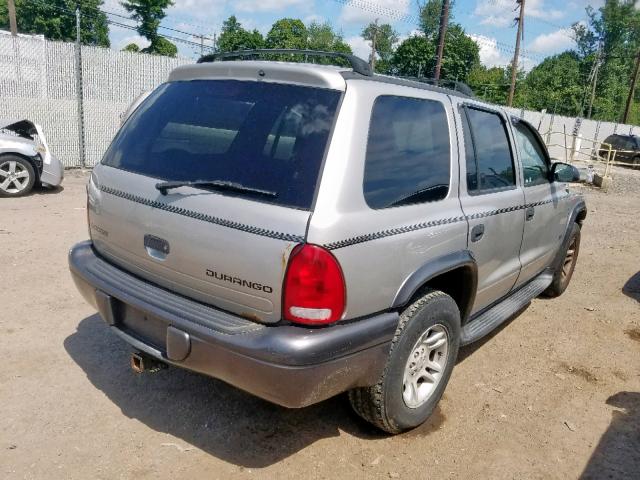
x: 239, y: 281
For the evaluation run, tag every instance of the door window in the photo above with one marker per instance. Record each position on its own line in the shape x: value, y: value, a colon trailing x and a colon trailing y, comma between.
x: 488, y: 153
x: 532, y: 156
x: 408, y: 158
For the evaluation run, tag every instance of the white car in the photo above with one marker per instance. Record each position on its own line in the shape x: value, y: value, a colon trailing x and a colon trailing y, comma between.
x: 25, y: 159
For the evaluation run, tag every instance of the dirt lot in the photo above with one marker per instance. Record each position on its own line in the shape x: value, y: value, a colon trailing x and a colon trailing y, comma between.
x: 553, y: 394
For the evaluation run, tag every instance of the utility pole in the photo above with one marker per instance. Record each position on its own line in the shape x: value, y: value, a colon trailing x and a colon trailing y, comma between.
x: 372, y: 58
x: 514, y: 65
x: 596, y: 67
x: 13, y: 24
x: 632, y: 89
x: 444, y: 22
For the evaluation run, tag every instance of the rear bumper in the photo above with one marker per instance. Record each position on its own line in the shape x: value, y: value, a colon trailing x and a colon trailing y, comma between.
x: 289, y: 365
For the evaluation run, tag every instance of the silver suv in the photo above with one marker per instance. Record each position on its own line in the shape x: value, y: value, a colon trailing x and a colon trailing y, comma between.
x: 302, y: 230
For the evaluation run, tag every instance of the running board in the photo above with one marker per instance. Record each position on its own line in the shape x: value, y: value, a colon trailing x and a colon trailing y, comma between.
x: 499, y: 313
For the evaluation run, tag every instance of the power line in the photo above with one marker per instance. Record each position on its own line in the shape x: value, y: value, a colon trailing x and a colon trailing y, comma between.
x: 414, y: 20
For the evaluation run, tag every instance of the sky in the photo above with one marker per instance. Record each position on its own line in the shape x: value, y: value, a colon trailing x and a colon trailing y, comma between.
x: 490, y: 22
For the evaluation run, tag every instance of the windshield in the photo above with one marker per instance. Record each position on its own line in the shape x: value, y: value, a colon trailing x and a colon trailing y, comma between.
x: 259, y: 135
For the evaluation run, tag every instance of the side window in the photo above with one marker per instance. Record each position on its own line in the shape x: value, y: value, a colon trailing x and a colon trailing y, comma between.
x: 408, y: 157
x: 532, y: 156
x: 489, y: 158
x: 628, y: 144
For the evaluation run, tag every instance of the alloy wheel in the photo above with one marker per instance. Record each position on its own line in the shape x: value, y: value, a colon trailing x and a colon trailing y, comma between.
x: 425, y: 366
x: 14, y: 177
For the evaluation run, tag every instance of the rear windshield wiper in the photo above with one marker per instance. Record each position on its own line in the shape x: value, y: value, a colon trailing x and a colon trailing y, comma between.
x: 164, y: 187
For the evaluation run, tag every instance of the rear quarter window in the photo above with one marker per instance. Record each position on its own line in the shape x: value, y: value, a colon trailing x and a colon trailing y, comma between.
x: 408, y: 158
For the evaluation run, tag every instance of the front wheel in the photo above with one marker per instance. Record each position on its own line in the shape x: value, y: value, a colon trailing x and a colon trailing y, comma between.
x: 17, y: 176
x: 423, y: 352
x: 562, y: 276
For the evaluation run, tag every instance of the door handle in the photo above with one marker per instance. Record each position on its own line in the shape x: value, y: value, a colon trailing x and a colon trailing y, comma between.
x: 530, y: 213
x: 477, y: 232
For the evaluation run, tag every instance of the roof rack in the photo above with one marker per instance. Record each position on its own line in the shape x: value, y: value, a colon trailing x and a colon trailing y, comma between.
x: 445, y: 84
x: 357, y: 64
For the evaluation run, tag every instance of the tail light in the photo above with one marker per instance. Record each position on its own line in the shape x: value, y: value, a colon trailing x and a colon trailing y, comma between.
x: 314, y: 291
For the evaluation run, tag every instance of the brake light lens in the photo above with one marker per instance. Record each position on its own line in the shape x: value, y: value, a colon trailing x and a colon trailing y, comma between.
x: 314, y: 291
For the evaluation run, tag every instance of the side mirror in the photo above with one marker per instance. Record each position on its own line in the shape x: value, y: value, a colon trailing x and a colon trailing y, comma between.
x: 563, y: 172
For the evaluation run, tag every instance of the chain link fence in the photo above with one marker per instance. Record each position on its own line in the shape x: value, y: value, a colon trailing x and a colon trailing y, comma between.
x: 39, y: 79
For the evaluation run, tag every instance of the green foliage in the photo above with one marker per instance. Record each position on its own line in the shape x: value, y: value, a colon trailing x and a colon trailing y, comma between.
x: 557, y: 84
x: 615, y: 27
x: 132, y: 47
x: 56, y: 20
x: 386, y: 38
x: 233, y: 37
x: 287, y: 33
x: 149, y: 14
x: 461, y: 54
x: 414, y: 57
x: 490, y: 84
x: 323, y: 37
x: 430, y: 13
x: 161, y: 46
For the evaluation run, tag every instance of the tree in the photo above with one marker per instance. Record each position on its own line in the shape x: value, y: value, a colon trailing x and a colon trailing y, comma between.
x: 417, y: 55
x: 162, y: 47
x: 132, y: 47
x: 233, y: 37
x: 287, y: 33
x: 557, y: 84
x: 490, y: 84
x: 615, y: 30
x: 414, y: 57
x: 321, y: 36
x: 386, y: 39
x: 430, y: 13
x: 149, y: 14
x: 461, y: 54
x: 56, y: 20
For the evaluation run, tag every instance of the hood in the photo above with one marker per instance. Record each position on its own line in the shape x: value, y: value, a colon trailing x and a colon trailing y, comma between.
x: 28, y: 130
x: 24, y: 128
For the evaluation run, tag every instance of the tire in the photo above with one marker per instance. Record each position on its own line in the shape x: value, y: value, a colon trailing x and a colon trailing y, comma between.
x: 388, y: 404
x: 563, y: 274
x: 17, y: 176
x: 635, y: 162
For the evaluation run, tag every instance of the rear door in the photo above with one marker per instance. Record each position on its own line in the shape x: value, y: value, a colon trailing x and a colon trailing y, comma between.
x: 544, y: 213
x: 223, y: 245
x: 492, y: 201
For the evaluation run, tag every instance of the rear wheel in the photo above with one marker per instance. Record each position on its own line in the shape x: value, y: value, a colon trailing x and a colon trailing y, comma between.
x: 635, y: 161
x: 563, y: 274
x: 422, y: 356
x: 17, y: 176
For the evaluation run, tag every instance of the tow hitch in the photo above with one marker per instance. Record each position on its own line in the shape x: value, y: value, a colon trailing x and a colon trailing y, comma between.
x: 141, y: 362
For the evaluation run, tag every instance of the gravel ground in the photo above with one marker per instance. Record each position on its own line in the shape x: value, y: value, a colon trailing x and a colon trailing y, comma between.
x: 555, y: 393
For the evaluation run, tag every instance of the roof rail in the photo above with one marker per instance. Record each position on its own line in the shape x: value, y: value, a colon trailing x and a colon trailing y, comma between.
x: 357, y: 64
x: 446, y: 84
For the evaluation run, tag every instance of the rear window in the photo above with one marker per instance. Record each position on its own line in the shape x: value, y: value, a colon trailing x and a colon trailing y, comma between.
x: 263, y: 136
